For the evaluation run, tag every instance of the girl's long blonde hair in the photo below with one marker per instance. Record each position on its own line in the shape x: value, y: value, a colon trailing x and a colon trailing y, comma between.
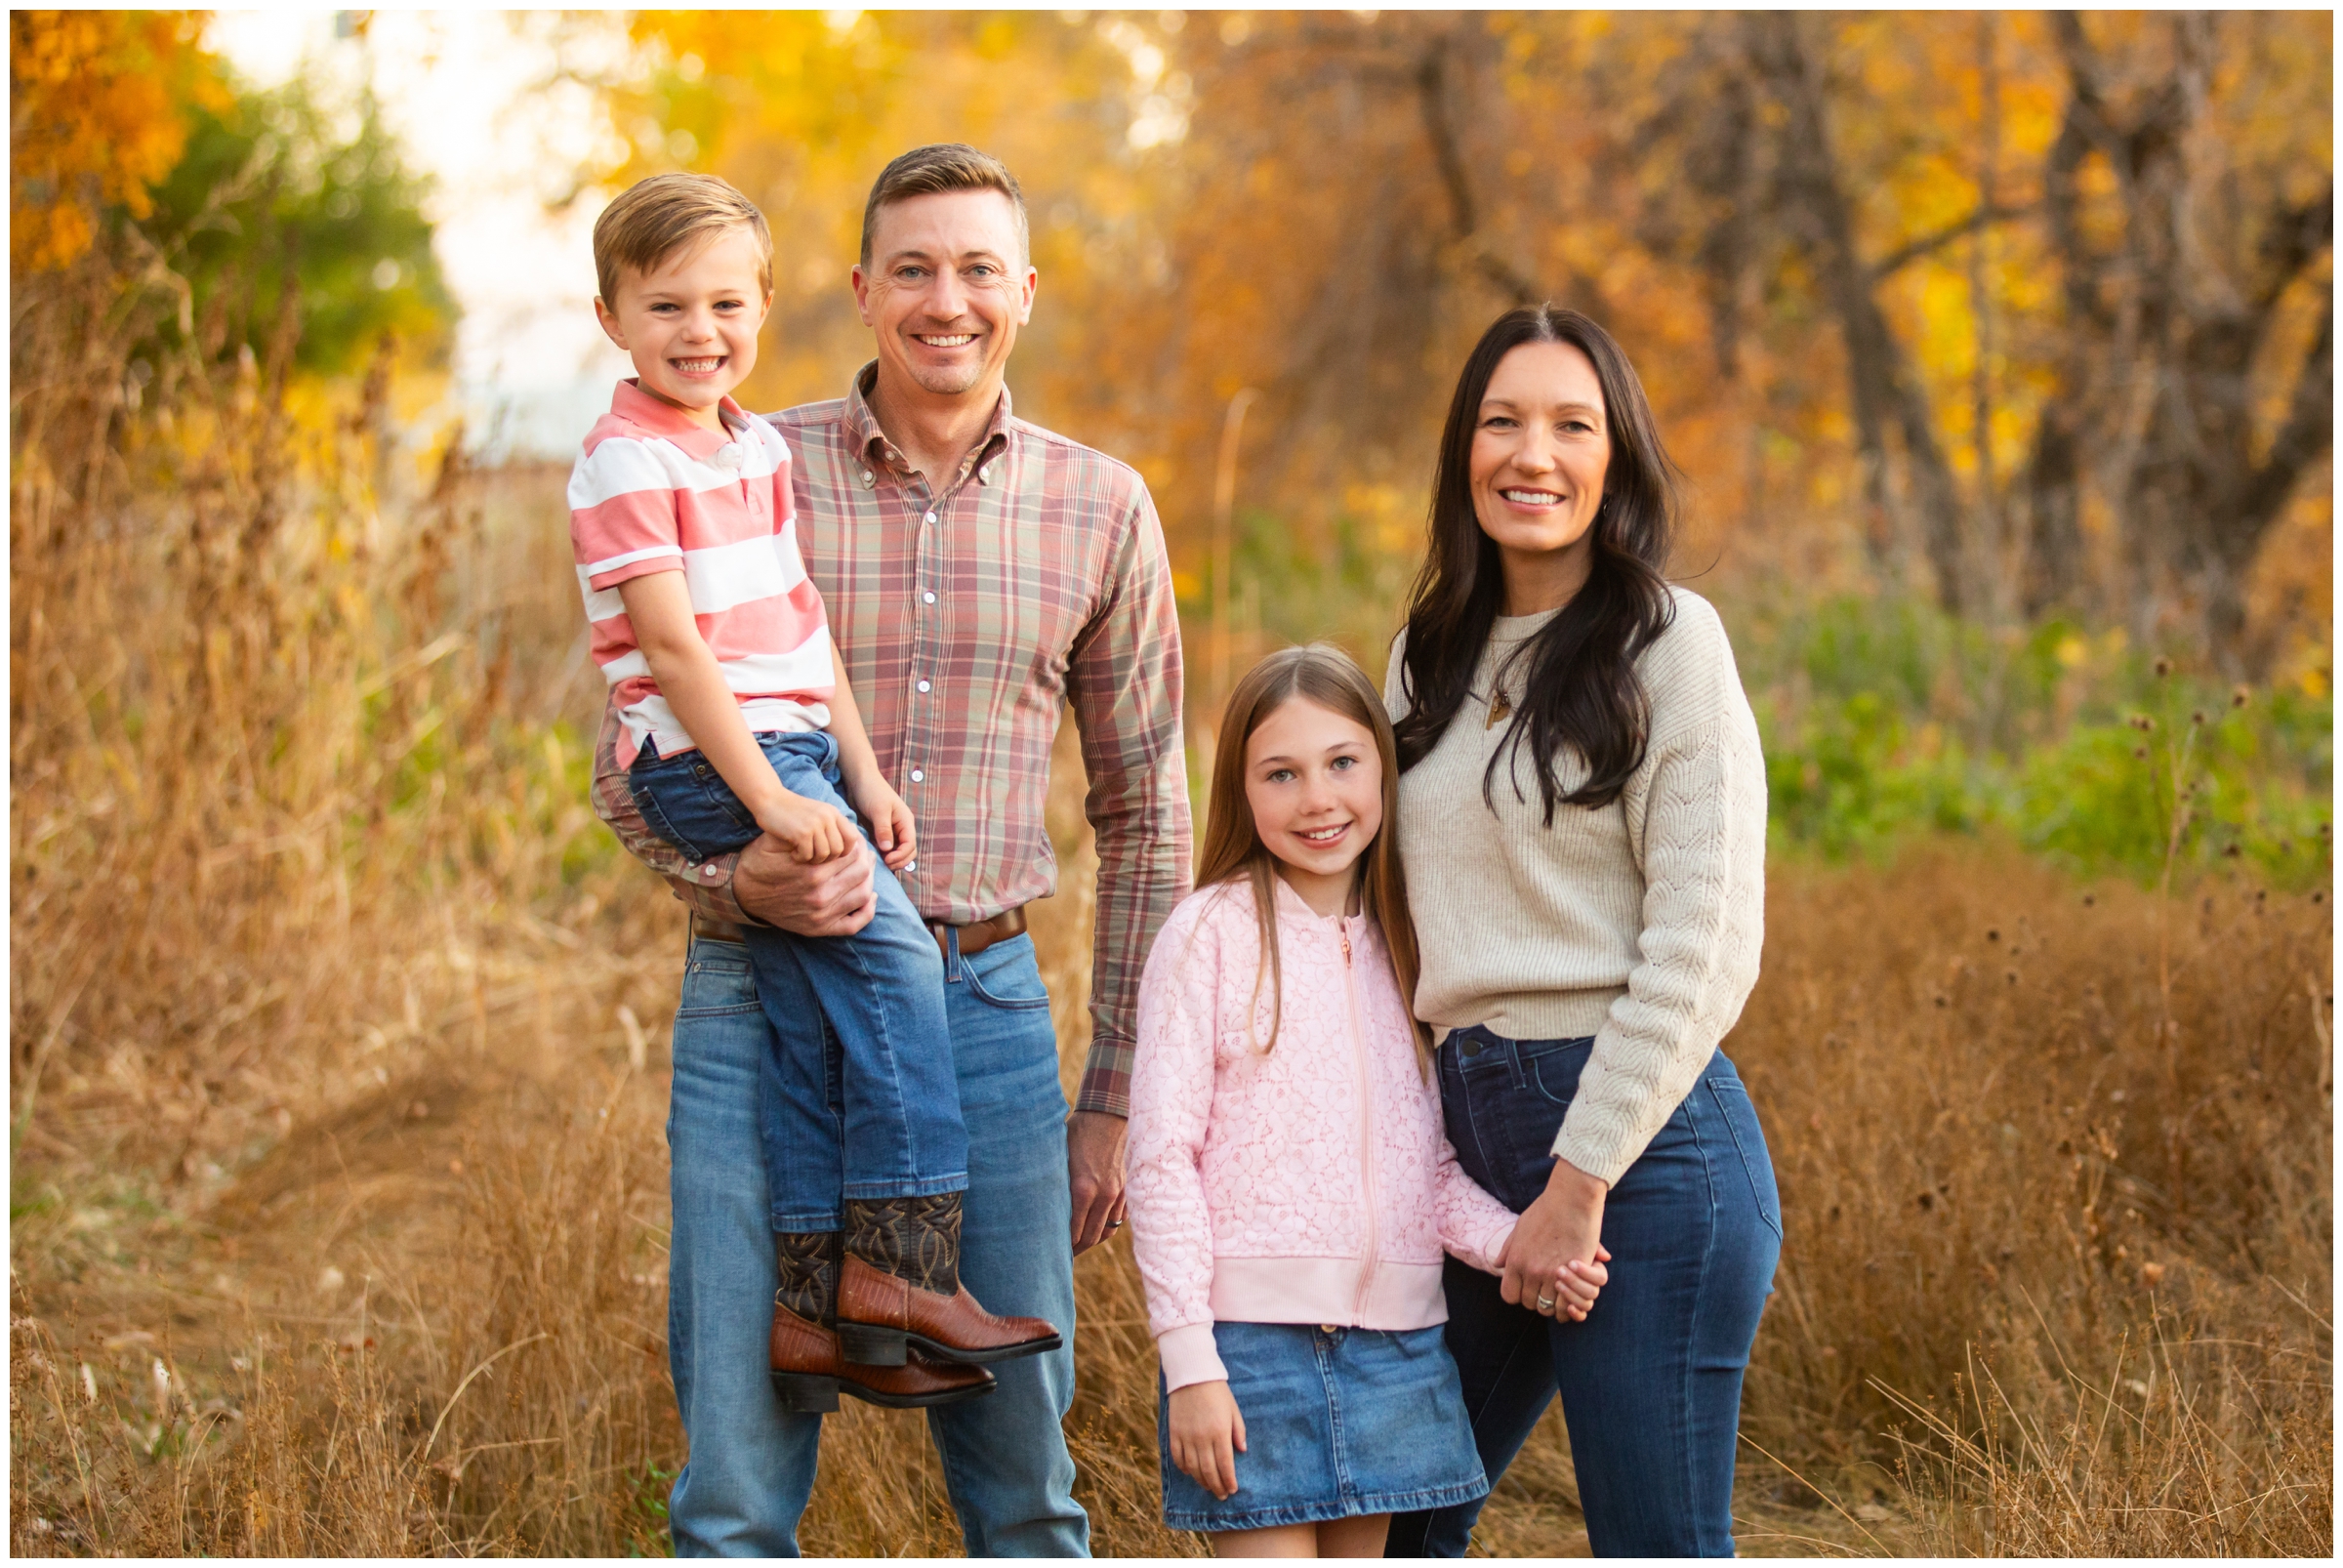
x: 1232, y: 846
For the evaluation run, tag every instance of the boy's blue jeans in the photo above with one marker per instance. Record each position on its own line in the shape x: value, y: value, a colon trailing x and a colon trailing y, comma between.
x: 872, y: 1109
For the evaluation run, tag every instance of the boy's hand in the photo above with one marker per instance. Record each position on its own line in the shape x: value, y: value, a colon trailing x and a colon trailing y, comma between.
x: 890, y: 821
x: 1207, y: 1433
x: 813, y: 830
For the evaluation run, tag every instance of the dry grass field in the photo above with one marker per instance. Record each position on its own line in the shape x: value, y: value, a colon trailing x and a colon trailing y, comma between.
x: 339, y: 1066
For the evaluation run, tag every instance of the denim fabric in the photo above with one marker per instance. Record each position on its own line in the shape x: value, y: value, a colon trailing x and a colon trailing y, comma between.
x: 865, y: 1107
x: 751, y: 1466
x: 1337, y: 1423
x: 1651, y: 1381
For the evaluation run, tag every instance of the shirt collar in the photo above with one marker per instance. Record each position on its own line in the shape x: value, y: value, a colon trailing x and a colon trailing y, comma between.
x: 869, y: 442
x: 639, y: 407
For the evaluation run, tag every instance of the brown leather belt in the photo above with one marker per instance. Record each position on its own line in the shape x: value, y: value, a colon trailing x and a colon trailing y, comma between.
x: 973, y: 939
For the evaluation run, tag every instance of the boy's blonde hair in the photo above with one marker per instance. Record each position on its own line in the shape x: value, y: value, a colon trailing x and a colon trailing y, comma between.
x: 655, y: 218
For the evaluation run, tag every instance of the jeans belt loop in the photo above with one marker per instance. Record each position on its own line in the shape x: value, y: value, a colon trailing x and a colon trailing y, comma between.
x: 948, y: 937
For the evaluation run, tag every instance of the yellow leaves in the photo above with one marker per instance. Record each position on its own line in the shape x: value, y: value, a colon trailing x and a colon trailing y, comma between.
x: 97, y: 115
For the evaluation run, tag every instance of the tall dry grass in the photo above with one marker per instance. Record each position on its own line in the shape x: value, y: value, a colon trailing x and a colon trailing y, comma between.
x: 339, y: 1062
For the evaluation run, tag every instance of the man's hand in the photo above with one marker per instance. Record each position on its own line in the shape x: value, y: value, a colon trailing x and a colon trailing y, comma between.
x: 825, y: 898
x: 1207, y: 1433
x: 1094, y: 1172
x: 1565, y: 1226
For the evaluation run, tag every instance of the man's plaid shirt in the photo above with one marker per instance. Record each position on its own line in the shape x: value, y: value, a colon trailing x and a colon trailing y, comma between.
x: 967, y: 621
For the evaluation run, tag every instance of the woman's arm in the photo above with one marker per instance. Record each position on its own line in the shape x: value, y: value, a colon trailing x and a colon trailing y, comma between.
x: 1170, y: 1106
x: 1698, y: 827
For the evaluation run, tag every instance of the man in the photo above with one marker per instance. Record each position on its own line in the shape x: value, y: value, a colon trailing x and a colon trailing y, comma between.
x: 981, y: 574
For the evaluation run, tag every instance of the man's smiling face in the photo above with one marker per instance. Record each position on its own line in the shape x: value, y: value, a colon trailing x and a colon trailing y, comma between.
x: 946, y: 290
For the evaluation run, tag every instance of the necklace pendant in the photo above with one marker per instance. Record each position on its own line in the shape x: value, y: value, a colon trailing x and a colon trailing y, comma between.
x: 1499, y: 710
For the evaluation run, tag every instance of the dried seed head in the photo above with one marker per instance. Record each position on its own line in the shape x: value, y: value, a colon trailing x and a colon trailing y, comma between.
x: 2197, y: 719
x: 2241, y: 696
x: 2140, y: 752
x: 2163, y: 667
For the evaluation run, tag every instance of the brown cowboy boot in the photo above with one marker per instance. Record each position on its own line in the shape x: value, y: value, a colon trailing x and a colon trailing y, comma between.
x: 900, y: 1288
x: 808, y: 1372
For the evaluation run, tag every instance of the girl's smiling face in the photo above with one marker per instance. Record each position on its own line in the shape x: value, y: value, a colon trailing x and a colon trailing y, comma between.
x: 1314, y: 781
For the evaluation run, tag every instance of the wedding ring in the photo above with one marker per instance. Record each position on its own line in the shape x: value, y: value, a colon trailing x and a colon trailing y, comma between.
x: 1114, y: 1224
x: 1545, y: 1303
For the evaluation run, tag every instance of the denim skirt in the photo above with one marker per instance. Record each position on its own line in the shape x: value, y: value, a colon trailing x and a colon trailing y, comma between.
x: 1337, y: 1423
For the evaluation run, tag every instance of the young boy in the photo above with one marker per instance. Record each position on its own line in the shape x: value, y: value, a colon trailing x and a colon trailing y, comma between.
x: 739, y: 721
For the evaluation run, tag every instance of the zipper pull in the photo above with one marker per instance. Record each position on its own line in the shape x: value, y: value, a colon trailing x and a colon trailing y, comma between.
x: 1347, y: 945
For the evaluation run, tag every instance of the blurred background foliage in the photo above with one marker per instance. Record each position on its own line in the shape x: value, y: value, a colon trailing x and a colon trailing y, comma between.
x: 1999, y: 347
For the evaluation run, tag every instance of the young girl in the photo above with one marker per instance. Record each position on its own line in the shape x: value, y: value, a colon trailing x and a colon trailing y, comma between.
x: 1291, y: 1188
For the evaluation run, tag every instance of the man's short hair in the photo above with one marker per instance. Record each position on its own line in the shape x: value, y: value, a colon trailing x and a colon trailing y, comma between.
x: 655, y: 218
x: 943, y: 166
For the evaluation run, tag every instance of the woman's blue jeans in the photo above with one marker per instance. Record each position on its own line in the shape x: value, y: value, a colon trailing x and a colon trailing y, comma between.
x: 1651, y: 1381
x: 859, y: 1101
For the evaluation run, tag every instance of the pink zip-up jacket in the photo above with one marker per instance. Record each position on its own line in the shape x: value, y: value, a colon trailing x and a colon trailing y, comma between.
x: 1312, y: 1184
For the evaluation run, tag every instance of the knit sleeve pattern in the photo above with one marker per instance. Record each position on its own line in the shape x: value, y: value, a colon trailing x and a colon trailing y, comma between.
x: 1696, y: 813
x: 1170, y: 1106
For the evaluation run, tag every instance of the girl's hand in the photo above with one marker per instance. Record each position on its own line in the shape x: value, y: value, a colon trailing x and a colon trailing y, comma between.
x: 1564, y: 1226
x: 1577, y: 1283
x: 813, y: 830
x: 1207, y: 1433
x: 890, y: 821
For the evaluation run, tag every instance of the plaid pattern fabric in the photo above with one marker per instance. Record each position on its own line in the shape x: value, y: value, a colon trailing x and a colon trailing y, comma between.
x: 967, y: 621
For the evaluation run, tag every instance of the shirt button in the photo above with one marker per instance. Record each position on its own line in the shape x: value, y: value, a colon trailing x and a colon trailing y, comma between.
x: 917, y: 777
x: 709, y: 872
x: 928, y: 598
x: 923, y: 686
x: 869, y: 478
x: 911, y: 865
x: 930, y: 518
x: 984, y: 475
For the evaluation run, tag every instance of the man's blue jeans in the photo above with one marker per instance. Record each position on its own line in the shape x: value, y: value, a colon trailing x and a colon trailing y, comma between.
x: 751, y: 1466
x: 1651, y: 1381
x: 868, y: 1108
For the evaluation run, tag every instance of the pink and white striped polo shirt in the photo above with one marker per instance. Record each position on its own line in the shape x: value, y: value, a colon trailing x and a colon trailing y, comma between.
x: 653, y: 492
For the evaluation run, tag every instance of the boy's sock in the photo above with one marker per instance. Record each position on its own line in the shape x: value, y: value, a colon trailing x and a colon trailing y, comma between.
x: 916, y: 1240
x: 809, y: 1268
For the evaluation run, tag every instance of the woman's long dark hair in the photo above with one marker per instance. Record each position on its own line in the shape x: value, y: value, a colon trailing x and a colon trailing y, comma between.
x: 1581, y: 689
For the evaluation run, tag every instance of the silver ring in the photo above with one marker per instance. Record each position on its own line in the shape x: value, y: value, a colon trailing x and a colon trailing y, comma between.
x: 1545, y: 1303
x: 1114, y: 1224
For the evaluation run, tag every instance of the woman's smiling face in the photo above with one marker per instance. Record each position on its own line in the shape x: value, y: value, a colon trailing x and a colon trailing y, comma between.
x: 1541, y: 449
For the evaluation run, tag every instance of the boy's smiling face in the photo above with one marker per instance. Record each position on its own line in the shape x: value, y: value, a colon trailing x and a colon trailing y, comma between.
x: 690, y: 323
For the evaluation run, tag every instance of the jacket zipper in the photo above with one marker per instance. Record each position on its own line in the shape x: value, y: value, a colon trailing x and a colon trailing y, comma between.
x: 1358, y: 1035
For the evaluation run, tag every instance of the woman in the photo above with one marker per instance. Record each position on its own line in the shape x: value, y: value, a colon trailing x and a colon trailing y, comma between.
x: 1583, y: 815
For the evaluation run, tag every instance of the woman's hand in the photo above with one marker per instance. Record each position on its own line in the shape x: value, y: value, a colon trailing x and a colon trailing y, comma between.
x: 1563, y: 1227
x: 1207, y: 1433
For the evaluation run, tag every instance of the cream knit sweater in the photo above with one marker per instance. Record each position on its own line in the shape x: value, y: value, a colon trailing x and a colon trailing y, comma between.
x: 1638, y: 924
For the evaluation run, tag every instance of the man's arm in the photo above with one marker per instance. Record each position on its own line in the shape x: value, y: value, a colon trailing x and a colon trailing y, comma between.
x: 708, y: 889
x: 1124, y: 680
x: 762, y: 885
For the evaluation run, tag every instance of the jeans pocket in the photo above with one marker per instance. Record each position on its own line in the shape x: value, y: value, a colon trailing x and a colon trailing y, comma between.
x: 716, y: 982
x: 1748, y: 1138
x: 1015, y: 986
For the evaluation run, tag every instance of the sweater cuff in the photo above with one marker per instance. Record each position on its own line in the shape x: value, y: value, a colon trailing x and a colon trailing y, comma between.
x: 1189, y: 1356
x: 1605, y: 1158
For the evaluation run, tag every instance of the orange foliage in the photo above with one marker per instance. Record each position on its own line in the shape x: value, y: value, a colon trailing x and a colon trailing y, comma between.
x: 1328, y: 207
x: 97, y: 115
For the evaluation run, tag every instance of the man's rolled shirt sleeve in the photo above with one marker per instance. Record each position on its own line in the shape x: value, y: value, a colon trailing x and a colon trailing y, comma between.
x: 1125, y: 684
